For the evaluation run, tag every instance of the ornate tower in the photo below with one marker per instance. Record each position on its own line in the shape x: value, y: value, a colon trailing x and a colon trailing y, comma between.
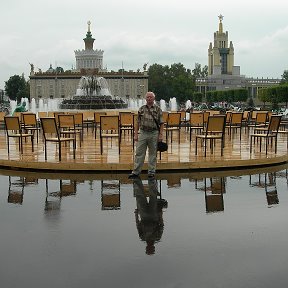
x: 89, y: 58
x: 220, y: 55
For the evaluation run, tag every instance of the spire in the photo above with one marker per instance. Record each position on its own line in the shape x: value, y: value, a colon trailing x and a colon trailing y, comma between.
x: 220, y: 23
x: 89, y: 40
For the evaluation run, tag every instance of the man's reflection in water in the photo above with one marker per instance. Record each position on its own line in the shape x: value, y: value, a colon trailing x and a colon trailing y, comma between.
x: 148, y: 214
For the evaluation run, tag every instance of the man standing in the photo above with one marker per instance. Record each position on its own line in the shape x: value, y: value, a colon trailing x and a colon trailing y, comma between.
x: 150, y: 124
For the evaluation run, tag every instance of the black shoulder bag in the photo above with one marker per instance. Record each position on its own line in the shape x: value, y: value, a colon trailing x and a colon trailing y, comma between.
x: 161, y: 146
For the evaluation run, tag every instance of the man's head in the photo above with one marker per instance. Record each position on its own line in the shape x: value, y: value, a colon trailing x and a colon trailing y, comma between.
x: 150, y: 97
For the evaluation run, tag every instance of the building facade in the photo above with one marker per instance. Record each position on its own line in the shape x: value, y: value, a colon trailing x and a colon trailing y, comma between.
x: 63, y: 84
x: 223, y: 74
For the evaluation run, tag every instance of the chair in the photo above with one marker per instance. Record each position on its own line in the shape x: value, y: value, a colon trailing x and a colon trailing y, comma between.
x: 88, y: 118
x: 127, y: 123
x: 184, y: 121
x: 235, y: 123
x: 13, y: 129
x: 109, y: 128
x: 67, y: 127
x: 206, y: 115
x: 97, y: 120
x: 51, y: 133
x: 260, y: 120
x: 196, y: 122
x: 79, y: 123
x: 215, y: 130
x: 268, y: 134
x: 30, y: 123
x: 173, y: 124
x: 42, y: 114
x: 228, y: 117
x: 2, y: 115
x: 246, y: 118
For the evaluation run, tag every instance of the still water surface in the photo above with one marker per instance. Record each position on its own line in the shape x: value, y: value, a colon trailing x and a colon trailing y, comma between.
x: 212, y: 230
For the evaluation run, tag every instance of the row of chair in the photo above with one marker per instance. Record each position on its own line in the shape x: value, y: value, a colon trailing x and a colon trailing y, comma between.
x: 110, y: 126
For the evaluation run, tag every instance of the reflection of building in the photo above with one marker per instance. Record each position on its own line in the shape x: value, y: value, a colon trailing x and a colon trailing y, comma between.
x: 222, y: 73
x: 58, y: 84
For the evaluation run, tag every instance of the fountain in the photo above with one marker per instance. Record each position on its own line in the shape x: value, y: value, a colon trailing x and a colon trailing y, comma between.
x: 93, y: 93
x: 163, y: 105
x: 173, y: 104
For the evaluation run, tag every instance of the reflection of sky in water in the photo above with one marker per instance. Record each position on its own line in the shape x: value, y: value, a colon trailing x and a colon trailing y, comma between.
x: 222, y: 231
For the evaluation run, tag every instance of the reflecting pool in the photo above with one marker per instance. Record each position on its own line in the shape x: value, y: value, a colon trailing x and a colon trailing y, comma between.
x: 216, y: 229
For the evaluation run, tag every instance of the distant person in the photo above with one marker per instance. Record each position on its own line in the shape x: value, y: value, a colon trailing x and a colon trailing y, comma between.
x: 148, y: 214
x: 20, y: 108
x: 150, y: 124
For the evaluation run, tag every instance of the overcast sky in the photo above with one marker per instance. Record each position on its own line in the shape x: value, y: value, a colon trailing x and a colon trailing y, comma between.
x: 160, y: 31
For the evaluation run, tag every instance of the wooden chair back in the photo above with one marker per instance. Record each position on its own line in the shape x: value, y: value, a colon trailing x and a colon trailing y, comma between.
x: 174, y: 119
x: 12, y: 123
x: 236, y: 118
x: 261, y: 117
x: 126, y: 119
x: 196, y: 119
x: 29, y: 119
x: 49, y: 126
x: 164, y: 116
x: 215, y: 124
x: 109, y: 123
x: 274, y: 124
x: 66, y: 121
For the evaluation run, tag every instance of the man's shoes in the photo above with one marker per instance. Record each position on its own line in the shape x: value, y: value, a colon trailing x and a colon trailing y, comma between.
x: 151, y: 175
x: 133, y: 176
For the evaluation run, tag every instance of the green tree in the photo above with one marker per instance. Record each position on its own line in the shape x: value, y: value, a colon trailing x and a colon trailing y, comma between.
x: 168, y: 82
x: 284, y: 77
x: 199, y: 72
x: 17, y: 87
x: 263, y: 95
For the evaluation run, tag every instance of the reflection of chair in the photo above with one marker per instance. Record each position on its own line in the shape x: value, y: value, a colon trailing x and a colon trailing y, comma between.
x: 173, y: 124
x: 30, y: 123
x: 52, y: 134
x: 110, y: 195
x: 214, y: 131
x: 269, y: 133
x: 271, y: 189
x: 14, y: 130
x: 52, y: 201
x: 174, y: 182
x: 196, y: 122
x: 214, y: 195
x: 67, y: 188
x: 15, y: 196
x: 109, y: 128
